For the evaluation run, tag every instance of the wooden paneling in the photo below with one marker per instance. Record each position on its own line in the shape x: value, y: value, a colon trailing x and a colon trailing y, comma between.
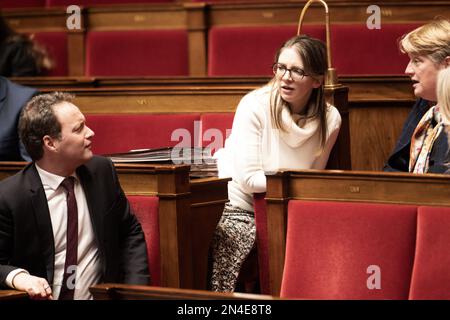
x: 284, y: 13
x: 137, y: 17
x: 349, y: 186
x: 33, y: 20
x: 158, y: 100
x: 374, y: 132
x: 361, y: 88
x: 198, y: 17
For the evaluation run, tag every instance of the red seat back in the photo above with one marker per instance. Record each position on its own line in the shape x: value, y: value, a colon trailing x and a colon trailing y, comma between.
x: 249, y: 51
x: 124, y: 132
x: 146, y: 210
x: 56, y: 45
x: 359, y: 50
x: 215, y: 128
x: 431, y: 272
x: 137, y: 53
x: 331, y: 248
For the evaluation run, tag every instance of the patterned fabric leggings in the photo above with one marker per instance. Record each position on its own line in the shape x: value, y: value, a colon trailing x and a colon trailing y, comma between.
x: 233, y: 239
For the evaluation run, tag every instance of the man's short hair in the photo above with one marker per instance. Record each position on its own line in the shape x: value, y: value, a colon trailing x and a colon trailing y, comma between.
x: 38, y: 119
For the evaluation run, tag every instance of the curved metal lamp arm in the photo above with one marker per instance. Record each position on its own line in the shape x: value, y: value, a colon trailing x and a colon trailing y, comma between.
x: 331, y: 78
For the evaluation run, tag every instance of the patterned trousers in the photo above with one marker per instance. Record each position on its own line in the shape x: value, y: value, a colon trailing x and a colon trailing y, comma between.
x: 233, y: 239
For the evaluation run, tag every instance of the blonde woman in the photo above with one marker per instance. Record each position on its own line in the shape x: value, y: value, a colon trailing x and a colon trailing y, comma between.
x: 285, y: 124
x: 443, y: 97
x: 422, y: 146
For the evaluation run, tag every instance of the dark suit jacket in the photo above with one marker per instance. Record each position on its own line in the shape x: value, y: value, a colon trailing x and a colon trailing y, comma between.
x: 26, y: 236
x: 399, y: 159
x: 13, y: 97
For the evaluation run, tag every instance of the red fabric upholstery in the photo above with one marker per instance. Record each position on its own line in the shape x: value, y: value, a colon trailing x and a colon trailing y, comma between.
x: 249, y: 51
x: 137, y: 53
x: 330, y: 245
x: 53, y: 3
x: 146, y: 210
x: 359, y: 50
x: 56, y: 45
x: 224, y: 1
x: 215, y: 128
x: 431, y: 272
x: 123, y: 132
x: 21, y: 3
x: 259, y: 204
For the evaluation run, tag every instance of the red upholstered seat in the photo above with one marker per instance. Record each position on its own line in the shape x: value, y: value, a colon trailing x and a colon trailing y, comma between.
x: 146, y: 210
x: 359, y: 50
x: 215, y: 128
x: 249, y: 51
x: 331, y: 245
x: 56, y: 45
x: 21, y: 3
x: 123, y: 132
x: 52, y: 3
x: 137, y: 53
x: 431, y: 272
x: 259, y: 205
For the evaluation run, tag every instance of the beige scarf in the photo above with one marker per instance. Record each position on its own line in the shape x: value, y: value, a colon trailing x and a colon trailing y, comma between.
x: 422, y: 140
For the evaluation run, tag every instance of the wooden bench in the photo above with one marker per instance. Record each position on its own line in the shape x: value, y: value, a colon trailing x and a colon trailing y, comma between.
x: 198, y: 19
x: 377, y: 105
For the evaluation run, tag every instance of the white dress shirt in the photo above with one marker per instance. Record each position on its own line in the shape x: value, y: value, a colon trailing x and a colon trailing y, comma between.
x: 89, y: 264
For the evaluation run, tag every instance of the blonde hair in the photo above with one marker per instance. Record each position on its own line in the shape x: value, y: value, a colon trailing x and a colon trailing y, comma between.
x: 443, y: 94
x: 431, y: 40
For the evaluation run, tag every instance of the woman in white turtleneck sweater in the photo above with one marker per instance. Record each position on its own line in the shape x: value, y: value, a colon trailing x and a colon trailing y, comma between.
x: 285, y: 124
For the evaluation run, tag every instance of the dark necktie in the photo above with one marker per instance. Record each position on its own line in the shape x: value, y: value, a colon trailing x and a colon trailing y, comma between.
x: 68, y: 284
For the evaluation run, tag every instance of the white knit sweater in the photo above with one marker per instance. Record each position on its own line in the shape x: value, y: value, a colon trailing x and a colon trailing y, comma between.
x: 255, y: 148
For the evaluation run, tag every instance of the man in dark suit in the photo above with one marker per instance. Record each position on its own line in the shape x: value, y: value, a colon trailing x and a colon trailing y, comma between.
x: 12, y: 99
x: 65, y: 223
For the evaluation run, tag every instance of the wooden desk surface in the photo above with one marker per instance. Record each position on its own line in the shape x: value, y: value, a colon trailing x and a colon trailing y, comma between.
x: 12, y: 295
x: 116, y: 291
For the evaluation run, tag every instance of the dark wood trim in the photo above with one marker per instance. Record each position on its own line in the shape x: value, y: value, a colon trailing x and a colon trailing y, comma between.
x: 13, y: 295
x: 113, y: 291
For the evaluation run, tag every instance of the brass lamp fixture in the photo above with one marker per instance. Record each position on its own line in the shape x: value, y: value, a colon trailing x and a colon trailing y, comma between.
x: 330, y: 77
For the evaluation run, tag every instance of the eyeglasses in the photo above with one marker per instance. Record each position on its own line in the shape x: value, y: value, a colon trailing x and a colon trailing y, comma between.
x: 296, y: 74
